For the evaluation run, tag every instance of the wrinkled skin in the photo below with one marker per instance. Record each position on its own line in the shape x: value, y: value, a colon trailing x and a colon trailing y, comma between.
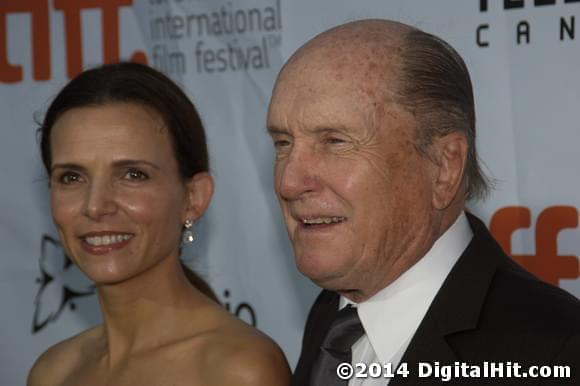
x: 345, y: 149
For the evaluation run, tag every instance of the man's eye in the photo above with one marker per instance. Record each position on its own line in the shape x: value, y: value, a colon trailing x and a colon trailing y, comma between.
x: 68, y: 178
x: 134, y: 174
x: 334, y: 141
x: 281, y: 143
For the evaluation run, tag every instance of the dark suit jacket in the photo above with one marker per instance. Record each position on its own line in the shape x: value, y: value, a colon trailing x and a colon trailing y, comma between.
x: 488, y: 309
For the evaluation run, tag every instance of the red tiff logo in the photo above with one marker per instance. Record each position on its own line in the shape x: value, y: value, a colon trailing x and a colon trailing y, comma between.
x: 39, y: 11
x: 546, y: 263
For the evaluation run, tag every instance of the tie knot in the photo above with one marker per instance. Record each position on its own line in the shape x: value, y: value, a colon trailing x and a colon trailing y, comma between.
x: 344, y: 331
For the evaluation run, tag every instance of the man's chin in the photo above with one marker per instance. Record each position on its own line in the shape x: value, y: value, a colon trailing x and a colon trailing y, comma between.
x: 321, y: 276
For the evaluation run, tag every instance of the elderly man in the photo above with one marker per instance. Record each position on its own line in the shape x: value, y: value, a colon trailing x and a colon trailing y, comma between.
x: 374, y: 129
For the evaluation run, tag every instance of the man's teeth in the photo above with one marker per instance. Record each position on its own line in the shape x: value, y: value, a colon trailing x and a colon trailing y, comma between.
x: 107, y: 240
x: 322, y: 220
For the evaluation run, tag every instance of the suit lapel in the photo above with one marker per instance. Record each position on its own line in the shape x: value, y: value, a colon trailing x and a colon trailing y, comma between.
x: 320, y: 318
x: 458, y: 304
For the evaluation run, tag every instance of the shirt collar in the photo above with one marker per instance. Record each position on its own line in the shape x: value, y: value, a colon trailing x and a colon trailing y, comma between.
x: 391, y: 316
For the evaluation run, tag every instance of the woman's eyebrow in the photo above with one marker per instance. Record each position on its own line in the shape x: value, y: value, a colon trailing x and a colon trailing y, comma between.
x: 67, y: 165
x: 117, y: 164
x: 135, y: 162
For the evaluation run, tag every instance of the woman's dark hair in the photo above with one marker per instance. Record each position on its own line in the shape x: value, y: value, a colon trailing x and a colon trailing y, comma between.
x: 142, y: 85
x: 139, y: 84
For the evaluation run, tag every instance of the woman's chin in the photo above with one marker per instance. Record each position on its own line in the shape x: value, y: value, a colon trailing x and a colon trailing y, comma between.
x: 103, y: 276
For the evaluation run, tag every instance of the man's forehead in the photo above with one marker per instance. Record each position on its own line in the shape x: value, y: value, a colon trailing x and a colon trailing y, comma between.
x: 352, y: 113
x: 369, y: 60
x: 369, y: 83
x: 361, y: 42
x: 370, y: 70
x: 351, y: 67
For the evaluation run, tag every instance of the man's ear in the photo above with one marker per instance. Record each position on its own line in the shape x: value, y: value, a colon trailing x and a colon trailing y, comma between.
x: 199, y: 190
x: 450, y: 154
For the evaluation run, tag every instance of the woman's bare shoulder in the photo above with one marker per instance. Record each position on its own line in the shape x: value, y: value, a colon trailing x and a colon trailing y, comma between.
x: 240, y: 354
x: 53, y: 366
x: 253, y: 362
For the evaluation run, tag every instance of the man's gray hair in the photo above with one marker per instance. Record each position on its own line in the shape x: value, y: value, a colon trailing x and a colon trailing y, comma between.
x: 434, y: 85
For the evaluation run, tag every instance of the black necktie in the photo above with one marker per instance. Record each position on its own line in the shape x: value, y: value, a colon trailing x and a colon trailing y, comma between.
x: 336, y: 348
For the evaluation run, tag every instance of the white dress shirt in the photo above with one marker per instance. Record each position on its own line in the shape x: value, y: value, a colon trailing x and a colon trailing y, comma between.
x: 391, y: 317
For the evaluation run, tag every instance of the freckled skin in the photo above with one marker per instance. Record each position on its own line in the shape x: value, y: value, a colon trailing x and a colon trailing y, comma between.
x: 364, y: 167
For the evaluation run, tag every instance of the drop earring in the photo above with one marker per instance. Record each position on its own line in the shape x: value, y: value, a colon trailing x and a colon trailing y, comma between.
x: 188, y: 235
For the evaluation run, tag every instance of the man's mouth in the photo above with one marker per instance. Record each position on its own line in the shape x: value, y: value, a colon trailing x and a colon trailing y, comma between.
x: 312, y: 221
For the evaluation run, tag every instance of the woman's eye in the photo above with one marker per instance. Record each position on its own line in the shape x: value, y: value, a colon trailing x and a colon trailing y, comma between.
x: 134, y: 174
x: 68, y: 178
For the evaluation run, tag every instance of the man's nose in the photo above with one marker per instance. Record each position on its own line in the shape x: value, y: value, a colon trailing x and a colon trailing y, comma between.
x: 298, y: 175
x: 99, y: 200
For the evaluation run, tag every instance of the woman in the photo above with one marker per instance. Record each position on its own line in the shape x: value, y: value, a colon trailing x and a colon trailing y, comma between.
x: 126, y: 154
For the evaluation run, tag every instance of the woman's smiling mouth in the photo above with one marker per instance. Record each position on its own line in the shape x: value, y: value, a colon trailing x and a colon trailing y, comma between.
x: 105, y: 242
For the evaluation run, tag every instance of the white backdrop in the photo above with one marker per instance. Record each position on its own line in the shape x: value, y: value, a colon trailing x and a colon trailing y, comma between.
x: 226, y: 54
